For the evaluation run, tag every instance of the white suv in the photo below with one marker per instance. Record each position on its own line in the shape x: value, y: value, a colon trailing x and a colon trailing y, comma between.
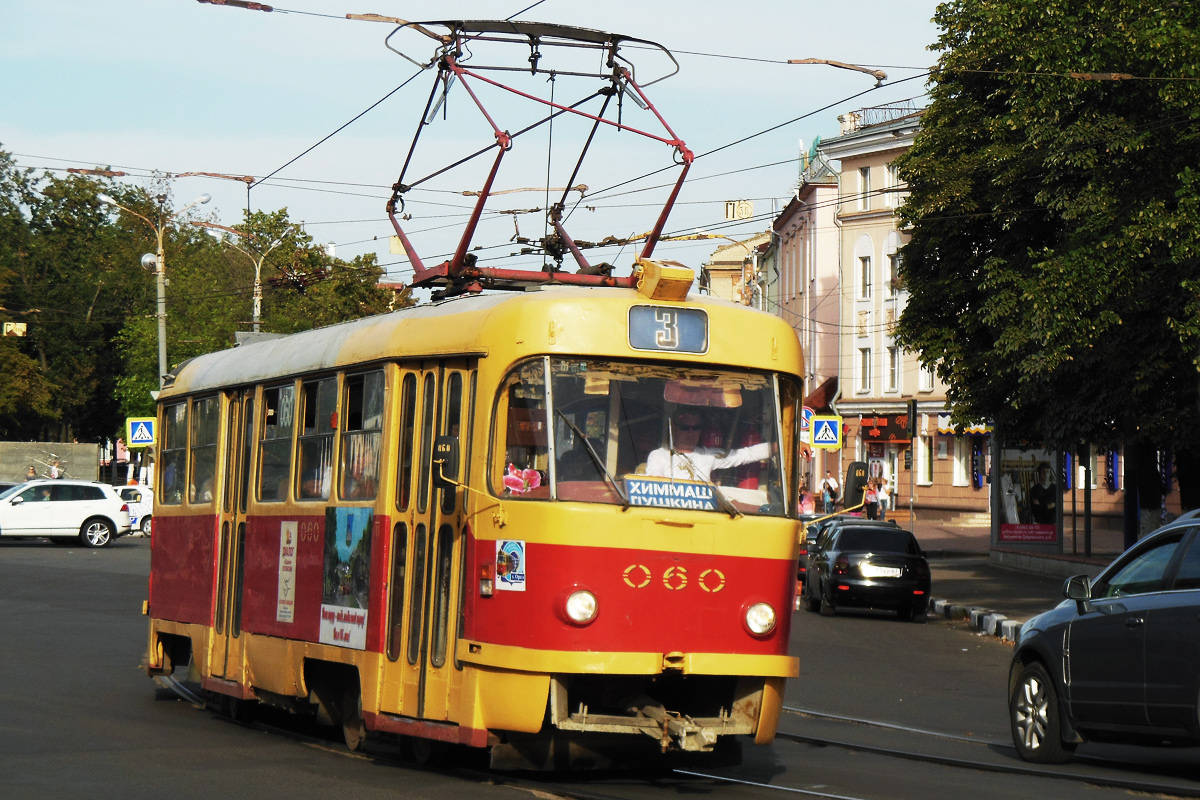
x: 64, y: 511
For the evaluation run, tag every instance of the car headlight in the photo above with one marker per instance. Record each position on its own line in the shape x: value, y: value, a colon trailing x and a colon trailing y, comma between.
x: 581, y: 607
x: 760, y: 619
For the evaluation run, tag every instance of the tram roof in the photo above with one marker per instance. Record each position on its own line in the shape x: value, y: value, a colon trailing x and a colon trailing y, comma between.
x: 521, y: 323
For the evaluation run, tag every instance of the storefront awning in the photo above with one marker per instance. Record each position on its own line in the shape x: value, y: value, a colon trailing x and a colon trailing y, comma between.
x: 820, y: 397
x: 977, y: 429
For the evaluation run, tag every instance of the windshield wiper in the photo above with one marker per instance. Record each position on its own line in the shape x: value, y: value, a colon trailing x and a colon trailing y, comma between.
x: 726, y: 504
x: 591, y: 451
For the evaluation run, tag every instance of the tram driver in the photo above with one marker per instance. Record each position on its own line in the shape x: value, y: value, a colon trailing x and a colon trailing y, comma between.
x: 686, y: 459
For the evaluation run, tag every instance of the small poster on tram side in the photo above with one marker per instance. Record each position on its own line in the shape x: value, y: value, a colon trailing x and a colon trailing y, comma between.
x: 510, y: 565
x: 347, y: 579
x: 285, y: 604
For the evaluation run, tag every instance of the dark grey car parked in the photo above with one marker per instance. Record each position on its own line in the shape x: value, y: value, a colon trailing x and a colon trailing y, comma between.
x: 1119, y: 659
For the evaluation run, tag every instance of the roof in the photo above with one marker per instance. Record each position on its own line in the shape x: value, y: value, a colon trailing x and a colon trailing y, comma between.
x: 555, y: 319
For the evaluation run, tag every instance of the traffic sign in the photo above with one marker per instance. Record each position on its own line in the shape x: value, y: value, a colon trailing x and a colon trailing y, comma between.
x: 140, y: 431
x: 827, y: 433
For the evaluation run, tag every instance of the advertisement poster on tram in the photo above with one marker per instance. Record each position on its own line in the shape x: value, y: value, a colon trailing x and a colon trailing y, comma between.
x: 347, y: 579
x: 1029, y: 496
x: 285, y: 603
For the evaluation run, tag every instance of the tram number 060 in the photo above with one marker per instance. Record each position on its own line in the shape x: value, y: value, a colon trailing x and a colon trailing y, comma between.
x: 676, y: 579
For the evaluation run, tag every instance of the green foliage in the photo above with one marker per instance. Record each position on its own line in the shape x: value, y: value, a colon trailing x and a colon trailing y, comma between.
x: 70, y: 268
x: 1053, y: 270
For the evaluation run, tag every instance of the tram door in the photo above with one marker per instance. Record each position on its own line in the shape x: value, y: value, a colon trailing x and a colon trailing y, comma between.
x: 226, y: 660
x: 427, y: 539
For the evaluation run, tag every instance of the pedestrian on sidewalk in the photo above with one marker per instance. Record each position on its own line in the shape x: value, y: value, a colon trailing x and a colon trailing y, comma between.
x: 872, y: 499
x: 885, y: 499
x: 829, y: 491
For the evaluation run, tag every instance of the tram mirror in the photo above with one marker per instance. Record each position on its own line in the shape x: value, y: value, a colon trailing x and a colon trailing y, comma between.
x: 445, y: 461
x: 710, y: 394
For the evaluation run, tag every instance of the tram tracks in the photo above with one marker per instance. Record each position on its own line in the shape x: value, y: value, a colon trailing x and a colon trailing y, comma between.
x: 1072, y: 772
x: 1099, y: 772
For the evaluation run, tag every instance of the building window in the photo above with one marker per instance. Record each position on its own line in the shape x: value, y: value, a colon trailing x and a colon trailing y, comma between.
x: 864, y: 277
x: 864, y: 369
x: 926, y: 379
x: 893, y: 369
x: 891, y: 200
x: 893, y: 279
x: 962, y: 461
x: 864, y: 189
x: 925, y: 462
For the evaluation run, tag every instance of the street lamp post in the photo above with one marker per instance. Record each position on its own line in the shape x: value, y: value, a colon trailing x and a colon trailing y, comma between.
x: 257, y: 257
x: 160, y: 269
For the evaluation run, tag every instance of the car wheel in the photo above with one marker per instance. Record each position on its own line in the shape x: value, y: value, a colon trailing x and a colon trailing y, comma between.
x: 96, y: 532
x: 1033, y: 715
x: 904, y: 613
x: 810, y: 601
x: 145, y: 526
x: 827, y: 608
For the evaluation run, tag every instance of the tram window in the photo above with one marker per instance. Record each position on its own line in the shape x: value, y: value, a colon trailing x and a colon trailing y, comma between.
x: 640, y: 433
x: 523, y: 451
x: 427, y: 403
x: 396, y: 612
x: 452, y: 427
x: 441, y: 593
x: 408, y: 405
x: 235, y: 603
x: 247, y: 448
x: 174, y: 453
x: 318, y: 407
x: 275, y: 448
x: 206, y: 415
x: 416, y: 598
x: 362, y: 437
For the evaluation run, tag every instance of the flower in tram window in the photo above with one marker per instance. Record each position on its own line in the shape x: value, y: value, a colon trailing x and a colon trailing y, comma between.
x: 520, y: 481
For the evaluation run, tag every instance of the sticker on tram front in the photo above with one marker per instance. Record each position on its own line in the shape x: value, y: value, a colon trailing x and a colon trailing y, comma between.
x: 285, y: 604
x: 666, y: 493
x: 510, y: 565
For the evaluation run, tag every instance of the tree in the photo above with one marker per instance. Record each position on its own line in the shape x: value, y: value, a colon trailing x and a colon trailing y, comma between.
x: 1054, y: 264
x: 24, y: 392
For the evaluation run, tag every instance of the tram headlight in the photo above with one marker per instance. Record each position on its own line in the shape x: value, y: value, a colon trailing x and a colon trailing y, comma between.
x: 760, y: 619
x: 580, y: 607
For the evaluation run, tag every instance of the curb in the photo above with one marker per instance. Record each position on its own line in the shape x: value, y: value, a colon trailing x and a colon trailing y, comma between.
x: 984, y: 620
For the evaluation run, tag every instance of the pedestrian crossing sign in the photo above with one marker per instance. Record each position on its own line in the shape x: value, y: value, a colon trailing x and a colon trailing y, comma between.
x: 827, y: 433
x: 140, y: 431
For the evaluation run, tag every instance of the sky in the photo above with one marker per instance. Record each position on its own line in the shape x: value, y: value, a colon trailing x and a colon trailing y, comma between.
x: 175, y: 86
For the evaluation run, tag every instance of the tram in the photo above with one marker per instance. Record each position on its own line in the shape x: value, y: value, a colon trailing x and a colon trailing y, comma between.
x: 439, y: 523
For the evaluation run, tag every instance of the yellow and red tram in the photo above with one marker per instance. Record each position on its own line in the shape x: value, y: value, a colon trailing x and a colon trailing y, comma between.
x: 439, y: 523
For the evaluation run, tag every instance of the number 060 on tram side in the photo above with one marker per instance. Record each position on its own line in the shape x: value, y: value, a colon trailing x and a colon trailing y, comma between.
x: 557, y: 524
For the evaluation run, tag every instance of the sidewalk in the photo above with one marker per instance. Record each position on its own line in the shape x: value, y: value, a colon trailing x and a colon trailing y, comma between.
x: 998, y: 589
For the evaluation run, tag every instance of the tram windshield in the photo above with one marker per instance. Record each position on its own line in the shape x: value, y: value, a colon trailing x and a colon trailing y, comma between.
x: 645, y: 434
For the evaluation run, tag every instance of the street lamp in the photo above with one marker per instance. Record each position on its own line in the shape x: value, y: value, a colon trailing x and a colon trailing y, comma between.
x: 160, y: 269
x: 257, y: 257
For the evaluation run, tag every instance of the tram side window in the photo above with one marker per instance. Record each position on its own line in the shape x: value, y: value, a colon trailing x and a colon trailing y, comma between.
x: 174, y: 453
x: 523, y: 472
x: 318, y: 409
x: 206, y: 417
x: 408, y: 405
x: 363, y: 434
x: 275, y: 448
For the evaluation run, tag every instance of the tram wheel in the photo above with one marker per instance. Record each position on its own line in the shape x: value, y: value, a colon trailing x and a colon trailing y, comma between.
x: 354, y: 728
x: 426, y: 752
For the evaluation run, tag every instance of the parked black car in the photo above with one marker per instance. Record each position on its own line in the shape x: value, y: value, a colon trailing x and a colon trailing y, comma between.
x: 869, y: 565
x: 1119, y: 659
x: 809, y: 528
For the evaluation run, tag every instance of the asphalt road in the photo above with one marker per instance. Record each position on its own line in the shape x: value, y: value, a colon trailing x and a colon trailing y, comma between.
x: 78, y: 719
